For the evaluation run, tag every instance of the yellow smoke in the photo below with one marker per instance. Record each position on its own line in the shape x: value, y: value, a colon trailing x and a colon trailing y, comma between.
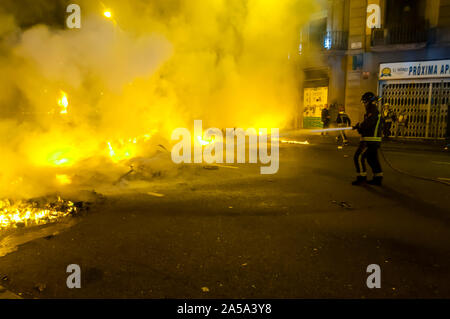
x: 153, y: 67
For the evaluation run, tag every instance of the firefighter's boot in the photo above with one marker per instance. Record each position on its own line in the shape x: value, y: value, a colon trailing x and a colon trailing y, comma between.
x: 360, y: 180
x: 377, y: 181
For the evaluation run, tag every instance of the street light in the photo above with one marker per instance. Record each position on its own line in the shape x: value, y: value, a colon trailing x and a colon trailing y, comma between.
x: 107, y: 14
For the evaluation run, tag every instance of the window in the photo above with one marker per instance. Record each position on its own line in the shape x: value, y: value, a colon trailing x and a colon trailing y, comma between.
x: 407, y: 12
x: 317, y: 30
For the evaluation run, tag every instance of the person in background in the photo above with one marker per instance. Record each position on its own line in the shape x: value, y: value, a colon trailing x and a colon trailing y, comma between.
x: 402, y: 124
x: 325, y: 118
x: 343, y: 120
x: 388, y: 119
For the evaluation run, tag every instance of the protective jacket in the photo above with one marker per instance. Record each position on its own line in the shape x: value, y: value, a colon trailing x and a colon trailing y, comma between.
x: 389, y: 116
x: 370, y: 128
x: 343, y: 118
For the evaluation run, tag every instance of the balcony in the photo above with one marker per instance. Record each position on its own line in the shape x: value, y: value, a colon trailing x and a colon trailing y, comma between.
x: 401, y: 36
x: 325, y: 41
x: 334, y: 40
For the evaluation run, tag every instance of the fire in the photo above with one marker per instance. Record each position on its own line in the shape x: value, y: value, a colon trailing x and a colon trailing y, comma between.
x: 63, y: 102
x: 58, y: 158
x: 25, y: 213
x: 205, y: 142
x: 111, y: 150
x: 127, y: 148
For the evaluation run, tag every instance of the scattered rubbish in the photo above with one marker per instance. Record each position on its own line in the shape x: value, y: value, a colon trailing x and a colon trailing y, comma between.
x: 205, y: 289
x: 244, y: 264
x: 40, y: 287
x: 124, y: 175
x: 343, y: 204
x: 346, y: 156
x: 157, y: 174
x: 5, y: 278
x: 162, y: 146
x: 227, y: 166
x: 155, y: 194
x: 211, y: 167
x: 340, y: 147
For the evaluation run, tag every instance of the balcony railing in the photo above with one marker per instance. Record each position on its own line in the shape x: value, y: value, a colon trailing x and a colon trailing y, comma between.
x: 334, y: 40
x: 401, y: 34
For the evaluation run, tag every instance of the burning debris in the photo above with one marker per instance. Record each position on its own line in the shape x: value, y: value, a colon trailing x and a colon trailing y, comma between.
x: 26, y: 213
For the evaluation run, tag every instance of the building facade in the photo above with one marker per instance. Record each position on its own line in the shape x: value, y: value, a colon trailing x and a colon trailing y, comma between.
x: 398, y: 49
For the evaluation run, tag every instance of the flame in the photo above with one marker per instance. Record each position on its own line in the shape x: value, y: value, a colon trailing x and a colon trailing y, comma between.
x: 63, y: 102
x: 129, y: 148
x: 205, y: 142
x: 59, y: 158
x: 26, y: 214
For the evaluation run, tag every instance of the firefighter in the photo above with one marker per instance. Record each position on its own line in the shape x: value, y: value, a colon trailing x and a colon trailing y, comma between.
x: 325, y: 118
x: 388, y: 118
x: 343, y: 120
x: 370, y: 130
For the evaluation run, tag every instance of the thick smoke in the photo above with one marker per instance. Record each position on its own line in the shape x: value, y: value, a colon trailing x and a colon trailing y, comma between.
x: 155, y: 66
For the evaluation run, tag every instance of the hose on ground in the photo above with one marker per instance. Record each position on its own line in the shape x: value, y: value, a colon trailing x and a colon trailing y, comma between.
x: 411, y: 175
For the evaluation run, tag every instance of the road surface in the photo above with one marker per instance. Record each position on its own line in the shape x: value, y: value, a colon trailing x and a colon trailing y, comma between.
x: 305, y: 232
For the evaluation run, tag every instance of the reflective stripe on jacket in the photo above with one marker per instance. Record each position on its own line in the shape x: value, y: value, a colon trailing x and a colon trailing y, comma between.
x: 370, y: 128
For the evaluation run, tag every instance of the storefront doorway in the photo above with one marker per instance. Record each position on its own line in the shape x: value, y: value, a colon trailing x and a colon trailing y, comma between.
x: 423, y: 103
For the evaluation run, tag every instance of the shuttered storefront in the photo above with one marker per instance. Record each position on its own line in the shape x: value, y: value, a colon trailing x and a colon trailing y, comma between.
x: 424, y: 102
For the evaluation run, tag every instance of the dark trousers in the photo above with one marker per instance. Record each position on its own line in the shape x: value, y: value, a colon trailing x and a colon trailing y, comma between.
x: 342, y: 135
x: 326, y: 124
x: 387, y: 129
x: 367, y: 151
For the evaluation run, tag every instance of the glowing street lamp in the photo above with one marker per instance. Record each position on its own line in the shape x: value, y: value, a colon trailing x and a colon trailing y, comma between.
x: 107, y: 14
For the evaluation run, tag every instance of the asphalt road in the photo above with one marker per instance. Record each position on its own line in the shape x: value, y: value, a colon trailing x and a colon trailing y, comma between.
x: 305, y: 232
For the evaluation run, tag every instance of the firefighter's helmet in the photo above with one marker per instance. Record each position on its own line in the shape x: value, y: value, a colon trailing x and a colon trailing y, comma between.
x: 368, y: 97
